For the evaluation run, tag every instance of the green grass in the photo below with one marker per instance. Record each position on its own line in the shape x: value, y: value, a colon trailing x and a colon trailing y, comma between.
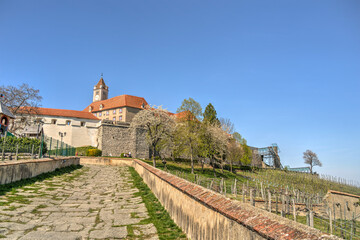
x: 206, y: 174
x: 36, y: 210
x: 166, y: 228
x: 304, y: 182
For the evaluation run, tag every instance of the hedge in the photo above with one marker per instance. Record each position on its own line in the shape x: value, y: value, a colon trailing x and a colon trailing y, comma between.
x: 93, y: 152
x: 25, y: 145
x: 82, y: 151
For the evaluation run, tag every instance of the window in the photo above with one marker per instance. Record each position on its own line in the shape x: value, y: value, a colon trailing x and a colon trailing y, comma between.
x: 68, y: 122
x: 95, y: 114
x: 114, y: 112
x: 53, y: 121
x: 114, y: 119
x: 82, y: 124
x: 107, y: 113
x: 120, y: 110
x: 100, y: 114
x: 120, y: 118
x: 101, y: 106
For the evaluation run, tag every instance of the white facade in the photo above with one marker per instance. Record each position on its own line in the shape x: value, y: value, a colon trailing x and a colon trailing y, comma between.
x: 79, y: 131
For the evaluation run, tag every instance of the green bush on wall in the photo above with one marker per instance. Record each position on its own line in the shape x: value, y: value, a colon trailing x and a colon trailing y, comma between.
x: 93, y: 152
x: 82, y: 151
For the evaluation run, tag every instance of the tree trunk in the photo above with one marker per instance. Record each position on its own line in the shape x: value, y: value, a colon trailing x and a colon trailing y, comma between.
x: 192, y: 163
x: 231, y: 166
x: 153, y: 157
x: 202, y: 165
x: 213, y: 165
x: 191, y: 158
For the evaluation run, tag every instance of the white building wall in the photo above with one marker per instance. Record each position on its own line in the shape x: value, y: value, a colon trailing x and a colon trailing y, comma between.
x: 76, y: 135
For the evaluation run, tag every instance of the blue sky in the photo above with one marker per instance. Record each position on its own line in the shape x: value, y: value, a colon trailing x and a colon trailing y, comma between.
x: 284, y: 72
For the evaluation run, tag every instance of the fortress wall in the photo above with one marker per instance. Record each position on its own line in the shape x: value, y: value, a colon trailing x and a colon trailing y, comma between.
x: 204, y: 214
x: 15, y: 171
x: 115, y: 139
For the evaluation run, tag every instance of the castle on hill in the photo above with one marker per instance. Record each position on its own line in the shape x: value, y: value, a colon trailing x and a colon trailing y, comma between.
x: 84, y: 128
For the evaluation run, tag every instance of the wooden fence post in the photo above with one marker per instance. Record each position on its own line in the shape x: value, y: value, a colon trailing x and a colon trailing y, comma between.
x: 243, y: 193
x: 252, y: 202
x: 221, y: 185
x: 269, y: 196
x: 311, y: 213
x: 294, y: 208
x: 235, y: 188
x: 330, y: 221
x: 308, y: 218
x: 282, y: 205
x: 288, y: 204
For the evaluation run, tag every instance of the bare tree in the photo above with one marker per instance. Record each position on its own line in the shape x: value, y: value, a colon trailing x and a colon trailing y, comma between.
x: 159, y: 126
x: 227, y: 125
x: 312, y: 159
x: 23, y: 102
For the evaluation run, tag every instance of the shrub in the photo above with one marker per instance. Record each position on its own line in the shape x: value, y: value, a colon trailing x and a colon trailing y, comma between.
x: 122, y: 155
x: 93, y: 152
x: 82, y: 151
x: 25, y: 144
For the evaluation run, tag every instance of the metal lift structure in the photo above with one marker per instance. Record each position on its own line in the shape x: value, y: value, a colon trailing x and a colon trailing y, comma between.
x: 270, y: 156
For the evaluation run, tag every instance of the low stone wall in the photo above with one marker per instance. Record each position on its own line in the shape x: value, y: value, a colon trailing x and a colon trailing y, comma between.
x: 106, y: 161
x: 15, y: 171
x: 204, y: 214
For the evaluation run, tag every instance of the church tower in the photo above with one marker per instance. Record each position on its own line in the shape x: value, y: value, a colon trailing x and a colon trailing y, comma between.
x: 100, y: 91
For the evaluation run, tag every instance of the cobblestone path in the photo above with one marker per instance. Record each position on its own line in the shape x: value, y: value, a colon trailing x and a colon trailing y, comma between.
x: 94, y: 202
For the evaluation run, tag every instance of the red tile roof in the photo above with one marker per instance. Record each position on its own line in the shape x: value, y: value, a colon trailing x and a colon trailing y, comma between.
x: 61, y: 113
x: 116, y: 102
x: 183, y: 115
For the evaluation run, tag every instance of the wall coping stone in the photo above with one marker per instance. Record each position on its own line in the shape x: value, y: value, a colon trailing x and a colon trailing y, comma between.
x: 267, y: 225
x: 14, y: 162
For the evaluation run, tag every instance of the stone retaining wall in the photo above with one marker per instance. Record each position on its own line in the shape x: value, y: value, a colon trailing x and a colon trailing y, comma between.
x: 204, y: 214
x: 15, y: 171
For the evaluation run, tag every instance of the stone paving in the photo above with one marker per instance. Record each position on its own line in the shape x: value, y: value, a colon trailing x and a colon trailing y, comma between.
x: 94, y: 202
